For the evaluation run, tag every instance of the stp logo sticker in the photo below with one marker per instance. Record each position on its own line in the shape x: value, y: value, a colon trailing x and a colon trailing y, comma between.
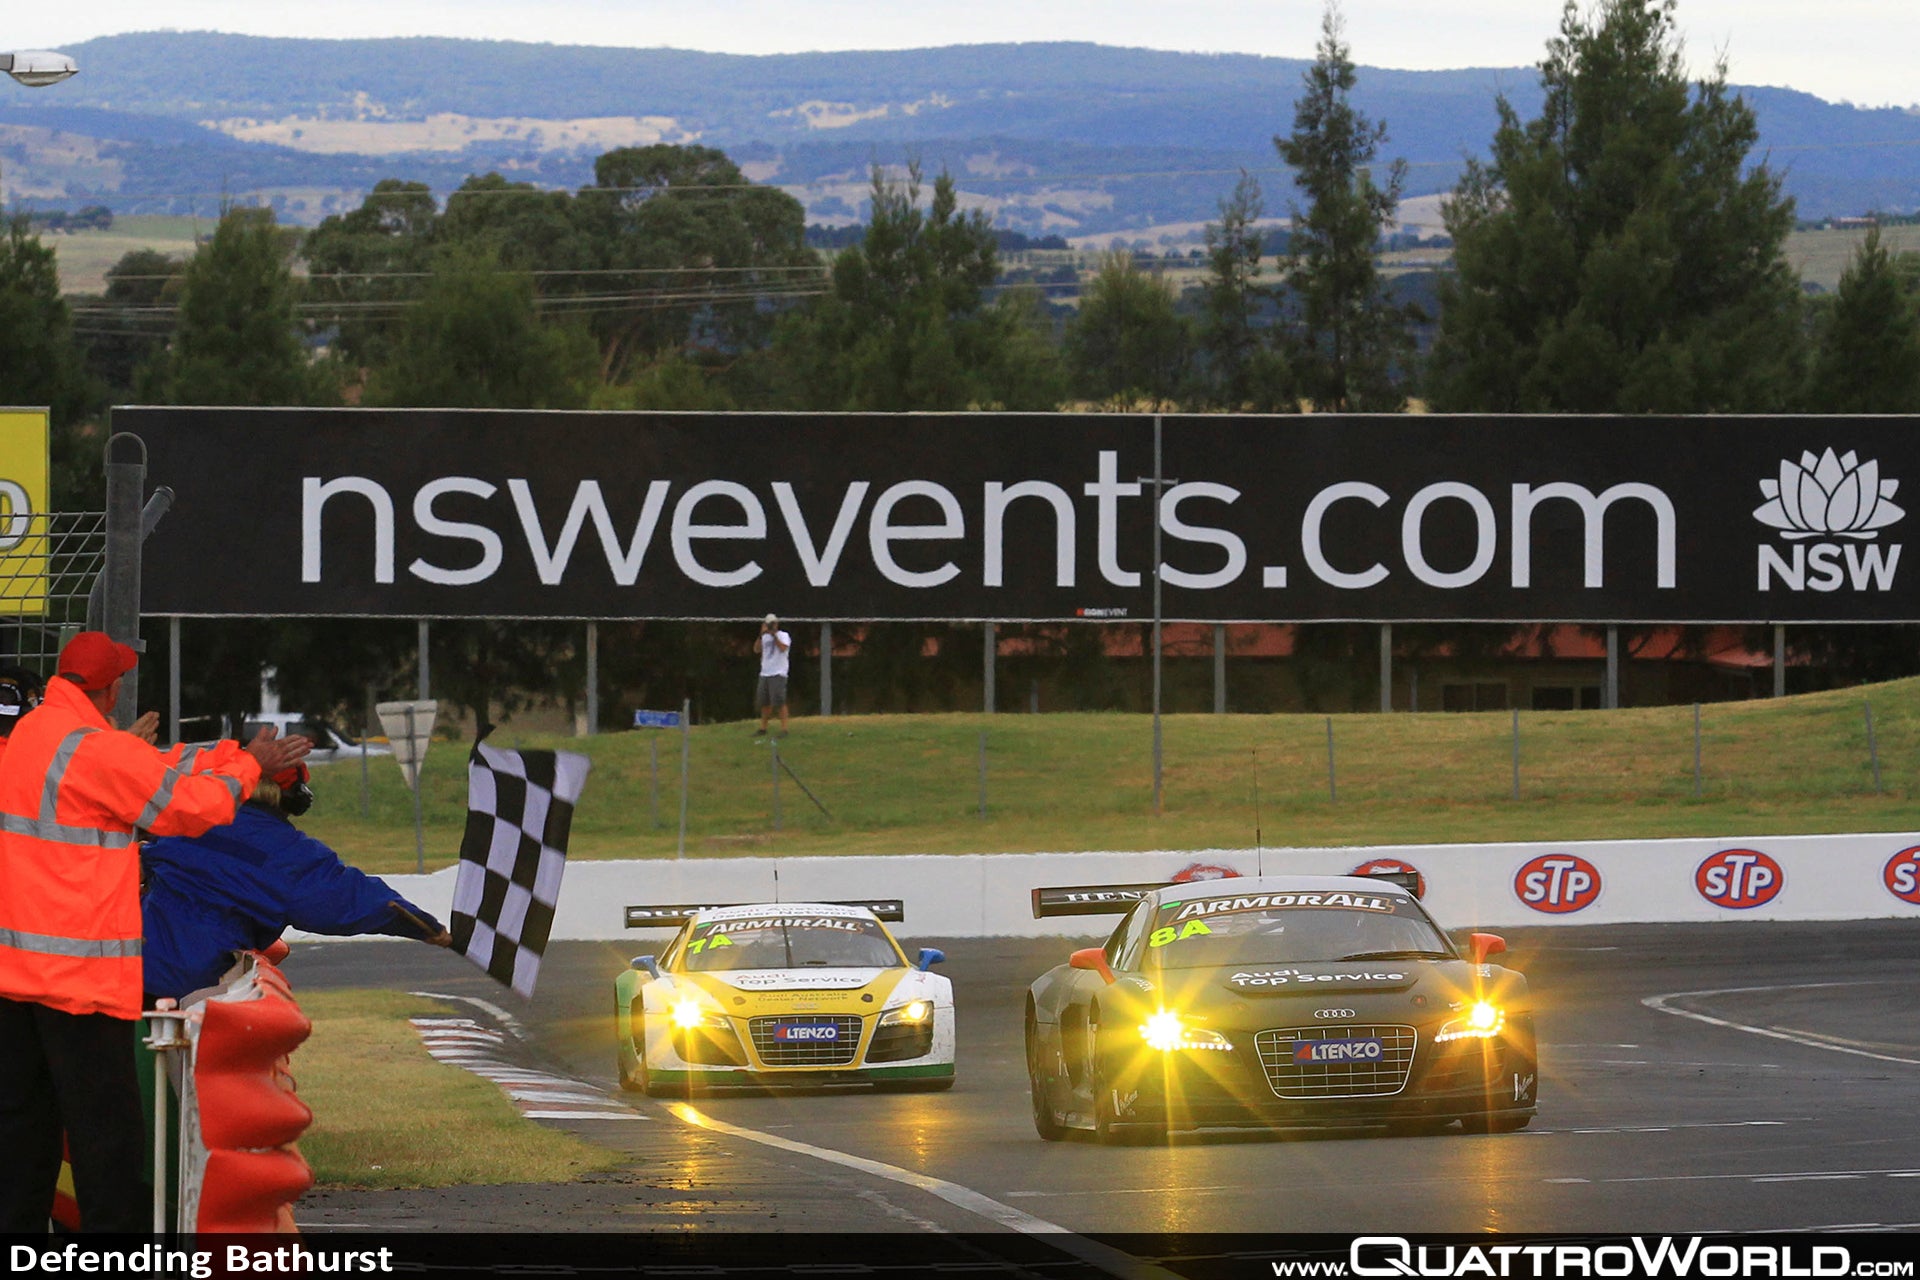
x: 1374, y: 866
x: 1739, y: 879
x: 1557, y: 883
x: 1902, y: 875
x: 1196, y: 871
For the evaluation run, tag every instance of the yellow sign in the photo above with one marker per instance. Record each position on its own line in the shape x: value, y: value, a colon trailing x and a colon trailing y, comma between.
x: 25, y: 494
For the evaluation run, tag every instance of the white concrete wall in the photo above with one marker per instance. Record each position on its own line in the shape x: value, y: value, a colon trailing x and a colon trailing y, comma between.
x: 1840, y: 877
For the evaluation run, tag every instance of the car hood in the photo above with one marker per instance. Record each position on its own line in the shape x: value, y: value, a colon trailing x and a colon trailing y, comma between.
x: 791, y: 979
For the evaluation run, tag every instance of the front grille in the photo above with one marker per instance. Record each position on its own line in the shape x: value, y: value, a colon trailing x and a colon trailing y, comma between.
x: 776, y: 1052
x: 1377, y: 1077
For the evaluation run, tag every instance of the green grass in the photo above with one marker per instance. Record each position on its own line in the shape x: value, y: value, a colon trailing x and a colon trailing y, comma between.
x: 1819, y: 257
x: 387, y: 1115
x: 83, y: 257
x: 910, y: 784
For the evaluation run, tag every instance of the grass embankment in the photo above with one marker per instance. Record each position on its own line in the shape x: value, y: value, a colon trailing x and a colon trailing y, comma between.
x: 910, y: 784
x: 387, y: 1115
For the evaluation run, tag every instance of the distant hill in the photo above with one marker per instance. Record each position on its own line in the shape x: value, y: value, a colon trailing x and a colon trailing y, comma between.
x: 1068, y: 138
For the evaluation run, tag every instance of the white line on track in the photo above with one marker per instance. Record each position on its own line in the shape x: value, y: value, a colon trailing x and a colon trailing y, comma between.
x: 507, y: 1020
x: 1802, y: 1175
x: 1112, y: 1261
x: 1661, y: 1003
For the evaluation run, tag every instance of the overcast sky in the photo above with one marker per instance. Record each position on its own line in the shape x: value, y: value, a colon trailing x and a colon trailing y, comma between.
x: 1862, y: 51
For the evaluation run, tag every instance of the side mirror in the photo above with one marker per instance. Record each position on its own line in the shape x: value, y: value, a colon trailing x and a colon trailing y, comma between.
x: 649, y: 963
x: 1093, y: 959
x: 929, y: 957
x: 1483, y: 945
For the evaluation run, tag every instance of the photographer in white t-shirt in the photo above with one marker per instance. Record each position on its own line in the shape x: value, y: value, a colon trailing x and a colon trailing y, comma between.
x: 772, y: 690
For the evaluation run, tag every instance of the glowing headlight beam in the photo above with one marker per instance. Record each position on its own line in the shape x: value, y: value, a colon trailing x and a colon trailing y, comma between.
x: 688, y: 1013
x: 1483, y: 1021
x: 1165, y: 1031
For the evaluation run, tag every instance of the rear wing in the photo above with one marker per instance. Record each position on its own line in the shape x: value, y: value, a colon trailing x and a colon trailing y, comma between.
x: 1411, y: 881
x: 673, y: 915
x: 1090, y: 899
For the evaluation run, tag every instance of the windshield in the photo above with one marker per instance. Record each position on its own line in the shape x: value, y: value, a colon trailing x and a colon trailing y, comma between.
x: 1291, y: 928
x: 789, y: 942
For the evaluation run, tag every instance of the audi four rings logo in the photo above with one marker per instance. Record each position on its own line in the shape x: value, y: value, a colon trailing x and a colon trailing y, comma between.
x: 1335, y: 1013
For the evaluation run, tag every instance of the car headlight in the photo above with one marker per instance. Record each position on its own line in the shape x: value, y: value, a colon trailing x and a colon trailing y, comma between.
x: 689, y: 1013
x: 911, y: 1014
x: 1167, y: 1031
x: 1481, y: 1021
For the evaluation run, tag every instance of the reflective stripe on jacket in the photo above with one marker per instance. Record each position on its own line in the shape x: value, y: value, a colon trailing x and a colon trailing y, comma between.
x: 72, y: 789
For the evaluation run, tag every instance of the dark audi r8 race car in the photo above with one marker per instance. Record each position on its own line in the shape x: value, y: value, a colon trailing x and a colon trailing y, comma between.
x: 1278, y: 1001
x: 781, y: 993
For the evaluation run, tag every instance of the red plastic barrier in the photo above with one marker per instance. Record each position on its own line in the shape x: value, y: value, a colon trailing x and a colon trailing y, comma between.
x: 249, y: 1114
x: 250, y: 1191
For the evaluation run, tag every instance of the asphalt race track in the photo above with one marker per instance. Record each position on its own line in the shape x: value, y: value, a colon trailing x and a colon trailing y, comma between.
x: 1695, y: 1078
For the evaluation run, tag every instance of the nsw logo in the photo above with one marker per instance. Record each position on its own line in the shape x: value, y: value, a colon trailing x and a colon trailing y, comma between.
x: 1833, y: 496
x: 1329, y: 1051
x: 1557, y: 883
x: 1902, y: 875
x: 1739, y: 879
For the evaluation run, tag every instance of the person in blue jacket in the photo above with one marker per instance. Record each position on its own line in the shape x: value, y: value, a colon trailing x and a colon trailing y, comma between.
x: 236, y: 887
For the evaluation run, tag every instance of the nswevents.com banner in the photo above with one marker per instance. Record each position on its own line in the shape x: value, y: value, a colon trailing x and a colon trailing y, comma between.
x: 1031, y: 517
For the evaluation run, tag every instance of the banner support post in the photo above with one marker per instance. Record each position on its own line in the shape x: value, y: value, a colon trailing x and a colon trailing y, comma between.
x: 826, y: 670
x: 1219, y: 668
x: 593, y: 678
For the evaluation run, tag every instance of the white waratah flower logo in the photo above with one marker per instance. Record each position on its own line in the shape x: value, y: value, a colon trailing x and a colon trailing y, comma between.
x: 1829, y: 495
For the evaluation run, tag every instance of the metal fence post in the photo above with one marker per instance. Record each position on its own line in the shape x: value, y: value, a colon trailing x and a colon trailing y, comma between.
x: 983, y: 773
x: 686, y: 752
x: 1873, y: 748
x: 1696, y: 749
x: 1516, y: 753
x: 1333, y: 786
x: 120, y: 612
x: 1779, y: 661
x: 653, y: 776
x: 774, y: 758
x: 1386, y: 666
x: 1613, y: 667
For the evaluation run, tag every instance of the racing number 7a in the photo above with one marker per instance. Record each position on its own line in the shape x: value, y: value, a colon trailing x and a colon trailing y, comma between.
x: 712, y: 940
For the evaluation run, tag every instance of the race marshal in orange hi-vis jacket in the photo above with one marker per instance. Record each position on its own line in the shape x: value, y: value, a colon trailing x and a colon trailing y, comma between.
x: 72, y: 791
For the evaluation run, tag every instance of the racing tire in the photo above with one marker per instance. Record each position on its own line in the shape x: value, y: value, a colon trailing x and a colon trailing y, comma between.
x: 643, y: 1081
x: 629, y: 1080
x: 1046, y: 1121
x: 1495, y: 1123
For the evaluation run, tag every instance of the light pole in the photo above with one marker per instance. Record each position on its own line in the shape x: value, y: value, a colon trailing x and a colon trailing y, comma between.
x: 38, y: 69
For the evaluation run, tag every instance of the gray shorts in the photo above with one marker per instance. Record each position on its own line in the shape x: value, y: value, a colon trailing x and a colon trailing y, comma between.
x: 772, y: 692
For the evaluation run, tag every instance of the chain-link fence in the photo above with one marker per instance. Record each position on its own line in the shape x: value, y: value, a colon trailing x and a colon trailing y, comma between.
x: 49, y: 564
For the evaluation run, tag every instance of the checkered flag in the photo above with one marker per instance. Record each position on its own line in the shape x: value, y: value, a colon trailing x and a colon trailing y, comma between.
x: 519, y: 812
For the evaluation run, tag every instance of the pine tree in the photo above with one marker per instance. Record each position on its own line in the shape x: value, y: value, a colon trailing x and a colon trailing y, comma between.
x: 1128, y: 343
x: 1244, y: 371
x: 1868, y: 354
x: 238, y: 340
x: 1616, y: 255
x: 1353, y: 343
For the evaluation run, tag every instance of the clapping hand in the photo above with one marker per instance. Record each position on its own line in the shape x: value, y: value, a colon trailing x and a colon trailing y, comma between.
x: 276, y: 753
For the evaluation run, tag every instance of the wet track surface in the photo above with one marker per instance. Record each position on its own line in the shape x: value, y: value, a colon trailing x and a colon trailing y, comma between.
x: 1695, y: 1078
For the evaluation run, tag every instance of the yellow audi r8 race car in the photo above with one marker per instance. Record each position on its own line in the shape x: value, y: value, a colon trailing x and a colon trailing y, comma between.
x: 789, y: 993
x: 1276, y: 1001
